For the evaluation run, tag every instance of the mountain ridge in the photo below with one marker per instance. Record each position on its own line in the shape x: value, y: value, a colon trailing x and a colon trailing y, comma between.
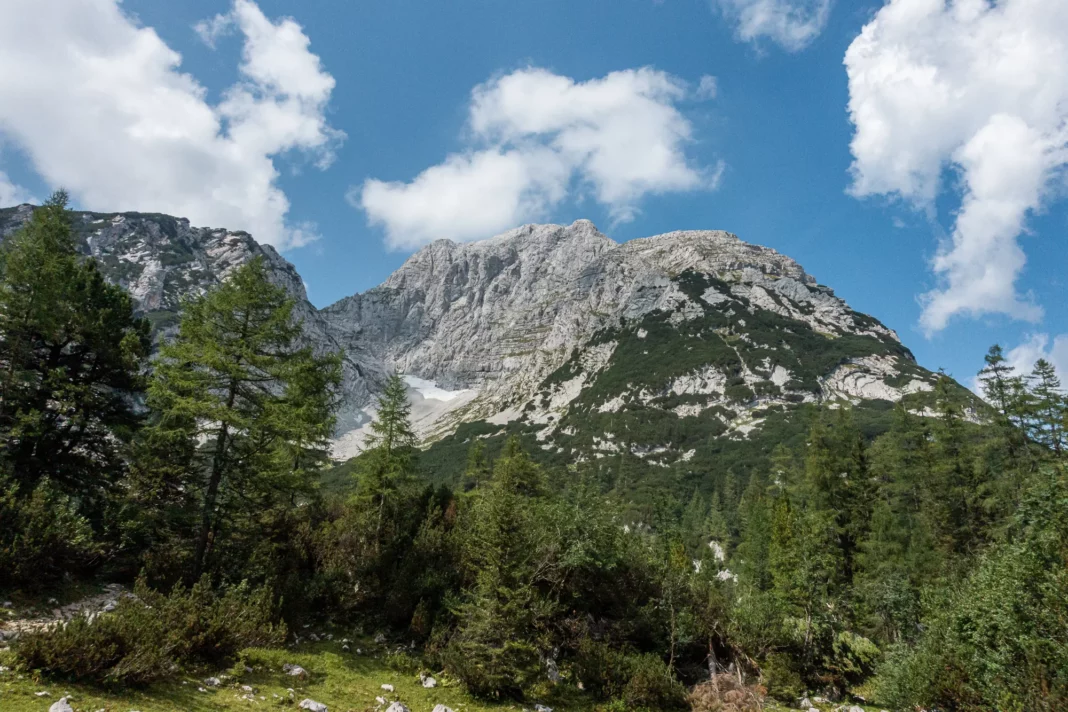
x: 497, y: 320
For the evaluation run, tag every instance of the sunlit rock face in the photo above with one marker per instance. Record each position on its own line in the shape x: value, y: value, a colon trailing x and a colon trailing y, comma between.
x: 545, y: 323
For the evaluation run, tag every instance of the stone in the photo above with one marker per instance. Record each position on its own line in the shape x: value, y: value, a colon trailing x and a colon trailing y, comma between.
x: 212, y: 682
x: 430, y: 682
x: 542, y: 708
x: 397, y: 707
x: 381, y: 700
x: 805, y: 703
x: 294, y: 670
x: 441, y: 708
x: 387, y: 688
x: 312, y: 706
x: 61, y: 706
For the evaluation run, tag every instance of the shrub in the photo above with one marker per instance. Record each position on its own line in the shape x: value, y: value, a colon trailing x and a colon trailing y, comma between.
x: 43, y: 537
x: 652, y: 685
x: 151, y: 635
x: 640, y: 681
x: 781, y: 678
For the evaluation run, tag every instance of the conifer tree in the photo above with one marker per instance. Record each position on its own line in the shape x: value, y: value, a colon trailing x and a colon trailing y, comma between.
x: 387, y: 465
x: 755, y: 515
x: 1048, y: 406
x: 257, y: 407
x: 72, y: 352
x: 478, y: 469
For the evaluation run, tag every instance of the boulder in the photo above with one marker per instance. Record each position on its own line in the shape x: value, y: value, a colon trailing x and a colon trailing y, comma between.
x: 213, y: 682
x: 294, y: 670
x: 61, y: 706
x: 312, y: 706
x: 397, y: 707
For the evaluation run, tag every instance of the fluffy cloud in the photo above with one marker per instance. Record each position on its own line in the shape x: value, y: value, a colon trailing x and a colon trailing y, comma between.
x: 537, y: 136
x: 12, y: 194
x: 981, y: 89
x: 792, y: 24
x: 1023, y: 357
x: 100, y: 106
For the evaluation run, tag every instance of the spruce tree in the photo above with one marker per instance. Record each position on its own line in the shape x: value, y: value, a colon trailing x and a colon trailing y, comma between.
x: 1049, y: 406
x: 72, y: 351
x: 243, y: 410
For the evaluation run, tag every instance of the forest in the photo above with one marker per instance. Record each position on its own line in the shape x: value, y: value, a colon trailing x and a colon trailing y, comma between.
x: 925, y: 567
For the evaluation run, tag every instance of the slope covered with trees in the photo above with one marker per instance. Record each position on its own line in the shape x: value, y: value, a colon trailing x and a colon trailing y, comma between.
x: 918, y: 563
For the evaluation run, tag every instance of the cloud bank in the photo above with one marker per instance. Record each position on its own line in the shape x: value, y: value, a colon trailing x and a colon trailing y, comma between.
x: 980, y: 89
x: 100, y: 107
x: 538, y: 138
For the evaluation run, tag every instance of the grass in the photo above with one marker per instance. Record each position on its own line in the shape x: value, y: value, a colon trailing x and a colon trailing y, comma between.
x: 345, y: 682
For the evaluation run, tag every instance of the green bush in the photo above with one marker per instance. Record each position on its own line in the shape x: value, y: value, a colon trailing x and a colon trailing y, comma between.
x: 150, y: 636
x: 781, y: 679
x: 652, y: 685
x: 43, y: 538
x: 640, y: 681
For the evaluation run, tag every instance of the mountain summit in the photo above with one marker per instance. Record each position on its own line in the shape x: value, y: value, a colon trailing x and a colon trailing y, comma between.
x: 556, y: 331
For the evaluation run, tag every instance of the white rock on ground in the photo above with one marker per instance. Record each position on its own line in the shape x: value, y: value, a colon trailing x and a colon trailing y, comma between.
x: 312, y: 706
x: 441, y: 708
x: 61, y: 706
x: 397, y: 707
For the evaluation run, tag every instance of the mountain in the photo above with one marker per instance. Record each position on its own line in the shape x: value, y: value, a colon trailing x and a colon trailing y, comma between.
x: 673, y: 350
x: 162, y: 260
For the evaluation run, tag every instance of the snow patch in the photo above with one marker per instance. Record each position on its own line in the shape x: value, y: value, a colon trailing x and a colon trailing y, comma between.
x: 430, y: 390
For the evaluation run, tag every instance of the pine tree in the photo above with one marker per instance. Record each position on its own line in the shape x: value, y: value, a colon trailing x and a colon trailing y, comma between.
x: 258, y: 407
x: 755, y: 515
x: 1049, y: 406
x: 478, y: 469
x: 72, y: 352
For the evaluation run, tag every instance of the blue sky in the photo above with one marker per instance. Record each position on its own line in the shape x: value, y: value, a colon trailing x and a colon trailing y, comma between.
x: 779, y: 125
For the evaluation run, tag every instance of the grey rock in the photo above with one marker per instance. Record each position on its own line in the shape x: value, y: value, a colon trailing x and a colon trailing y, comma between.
x: 61, y: 706
x: 441, y: 708
x: 312, y: 705
x: 493, y: 318
x: 397, y: 707
x: 294, y: 670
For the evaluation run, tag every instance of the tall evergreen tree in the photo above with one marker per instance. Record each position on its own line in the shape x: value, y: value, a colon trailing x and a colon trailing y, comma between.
x: 72, y: 352
x: 243, y: 410
x: 1049, y: 406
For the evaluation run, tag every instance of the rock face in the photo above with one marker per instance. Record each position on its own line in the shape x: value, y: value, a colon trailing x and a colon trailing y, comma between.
x: 163, y: 260
x: 548, y: 325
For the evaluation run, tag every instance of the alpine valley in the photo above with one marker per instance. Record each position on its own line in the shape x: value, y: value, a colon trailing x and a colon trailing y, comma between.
x: 664, y: 360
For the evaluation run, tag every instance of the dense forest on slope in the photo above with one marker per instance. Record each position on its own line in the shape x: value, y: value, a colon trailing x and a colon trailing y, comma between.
x: 909, y: 554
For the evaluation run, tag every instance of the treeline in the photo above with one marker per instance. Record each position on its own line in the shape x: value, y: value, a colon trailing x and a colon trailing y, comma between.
x: 930, y: 565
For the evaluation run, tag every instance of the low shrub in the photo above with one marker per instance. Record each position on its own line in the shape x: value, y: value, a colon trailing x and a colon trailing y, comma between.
x: 43, y: 538
x: 151, y: 636
x: 639, y: 681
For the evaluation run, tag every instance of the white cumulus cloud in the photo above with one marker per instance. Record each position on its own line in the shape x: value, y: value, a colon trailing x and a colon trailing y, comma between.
x: 1023, y: 357
x: 980, y: 89
x: 792, y: 24
x: 12, y: 193
x: 100, y: 106
x: 538, y: 137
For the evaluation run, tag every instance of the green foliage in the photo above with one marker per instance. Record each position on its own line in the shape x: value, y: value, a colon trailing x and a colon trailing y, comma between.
x: 72, y: 353
x: 151, y: 636
x: 242, y: 414
x: 43, y: 539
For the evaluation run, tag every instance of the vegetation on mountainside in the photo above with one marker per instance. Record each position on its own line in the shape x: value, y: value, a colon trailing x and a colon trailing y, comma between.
x: 923, y: 558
